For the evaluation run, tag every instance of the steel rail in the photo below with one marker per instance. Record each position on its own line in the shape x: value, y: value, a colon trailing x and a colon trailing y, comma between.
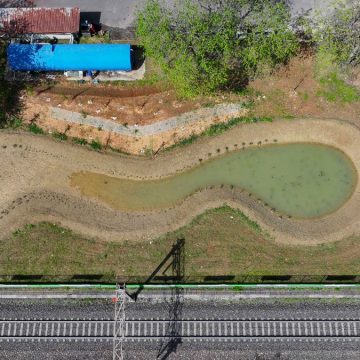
x: 189, y: 329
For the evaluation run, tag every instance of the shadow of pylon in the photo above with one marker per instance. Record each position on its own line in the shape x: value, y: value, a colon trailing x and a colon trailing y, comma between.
x: 175, y: 303
x: 174, y: 260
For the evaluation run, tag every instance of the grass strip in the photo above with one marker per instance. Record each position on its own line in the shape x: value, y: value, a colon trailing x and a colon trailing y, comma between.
x: 217, y: 129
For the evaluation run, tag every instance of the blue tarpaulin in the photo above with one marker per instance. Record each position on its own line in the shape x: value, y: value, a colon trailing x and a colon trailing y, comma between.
x: 47, y: 57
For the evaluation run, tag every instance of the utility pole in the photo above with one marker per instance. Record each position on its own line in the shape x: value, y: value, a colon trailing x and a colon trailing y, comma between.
x: 119, y: 323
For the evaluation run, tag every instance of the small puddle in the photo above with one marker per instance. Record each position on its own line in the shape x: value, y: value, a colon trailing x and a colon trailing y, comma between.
x: 301, y: 180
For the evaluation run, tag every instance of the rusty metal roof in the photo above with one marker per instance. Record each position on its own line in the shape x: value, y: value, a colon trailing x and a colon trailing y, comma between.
x: 41, y: 20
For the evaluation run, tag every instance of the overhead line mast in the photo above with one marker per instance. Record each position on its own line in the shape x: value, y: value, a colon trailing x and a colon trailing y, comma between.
x: 119, y: 322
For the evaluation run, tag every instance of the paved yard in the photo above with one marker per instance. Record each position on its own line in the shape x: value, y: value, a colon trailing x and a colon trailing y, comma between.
x: 120, y: 13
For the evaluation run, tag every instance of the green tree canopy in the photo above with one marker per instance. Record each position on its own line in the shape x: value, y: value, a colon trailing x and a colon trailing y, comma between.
x: 338, y: 34
x: 206, y: 45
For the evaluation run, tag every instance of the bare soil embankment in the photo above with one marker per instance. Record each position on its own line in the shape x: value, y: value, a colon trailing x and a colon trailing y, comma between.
x: 121, y: 107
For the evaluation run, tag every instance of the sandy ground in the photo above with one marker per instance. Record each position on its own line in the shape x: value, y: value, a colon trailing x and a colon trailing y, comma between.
x: 36, y: 170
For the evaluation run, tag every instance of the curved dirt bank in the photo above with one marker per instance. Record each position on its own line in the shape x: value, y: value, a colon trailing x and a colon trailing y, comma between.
x: 35, y: 182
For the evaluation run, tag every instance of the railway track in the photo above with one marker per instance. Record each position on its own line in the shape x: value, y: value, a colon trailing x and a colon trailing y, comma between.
x: 186, y: 329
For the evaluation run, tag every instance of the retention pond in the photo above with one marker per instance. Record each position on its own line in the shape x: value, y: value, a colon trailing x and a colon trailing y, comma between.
x: 301, y: 180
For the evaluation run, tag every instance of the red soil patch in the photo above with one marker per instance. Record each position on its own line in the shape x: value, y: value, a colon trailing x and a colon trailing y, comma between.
x: 293, y: 91
x: 130, y: 106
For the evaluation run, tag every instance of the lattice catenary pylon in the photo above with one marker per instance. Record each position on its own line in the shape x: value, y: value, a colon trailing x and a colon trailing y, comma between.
x: 119, y: 323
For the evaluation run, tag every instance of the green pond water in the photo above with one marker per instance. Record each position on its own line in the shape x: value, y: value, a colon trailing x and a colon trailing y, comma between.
x: 300, y: 180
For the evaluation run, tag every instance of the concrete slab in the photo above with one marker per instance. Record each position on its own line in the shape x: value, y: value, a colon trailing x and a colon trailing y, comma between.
x: 121, y: 13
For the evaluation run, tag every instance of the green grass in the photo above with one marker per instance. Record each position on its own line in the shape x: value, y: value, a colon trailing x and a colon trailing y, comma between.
x: 249, y: 104
x: 250, y: 223
x: 305, y: 96
x: 217, y: 129
x: 35, y: 129
x: 118, y: 151
x: 213, y: 130
x: 149, y: 80
x: 219, y: 242
x: 183, y: 142
x: 335, y: 89
x: 60, y: 136
x: 79, y: 141
x: 249, y: 92
x: 29, y: 88
x: 153, y: 77
x: 96, y: 39
x: 96, y: 145
x: 209, y: 105
x: 14, y: 123
x: 84, y: 114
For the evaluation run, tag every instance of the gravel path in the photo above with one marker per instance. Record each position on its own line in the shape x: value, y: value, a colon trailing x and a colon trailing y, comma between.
x: 222, y: 111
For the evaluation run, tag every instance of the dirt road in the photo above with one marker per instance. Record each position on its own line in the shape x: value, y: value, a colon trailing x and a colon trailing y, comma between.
x: 36, y: 170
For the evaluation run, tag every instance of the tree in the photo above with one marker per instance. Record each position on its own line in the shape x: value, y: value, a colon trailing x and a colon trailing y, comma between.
x: 10, y: 92
x: 338, y: 34
x: 206, y: 45
x: 17, y: 23
x: 16, y: 3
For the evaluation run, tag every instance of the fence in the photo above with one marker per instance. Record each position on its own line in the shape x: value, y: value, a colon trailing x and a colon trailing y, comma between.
x: 224, y: 279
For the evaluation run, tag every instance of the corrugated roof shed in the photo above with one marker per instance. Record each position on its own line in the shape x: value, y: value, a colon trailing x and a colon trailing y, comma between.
x: 46, y: 57
x: 41, y: 20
